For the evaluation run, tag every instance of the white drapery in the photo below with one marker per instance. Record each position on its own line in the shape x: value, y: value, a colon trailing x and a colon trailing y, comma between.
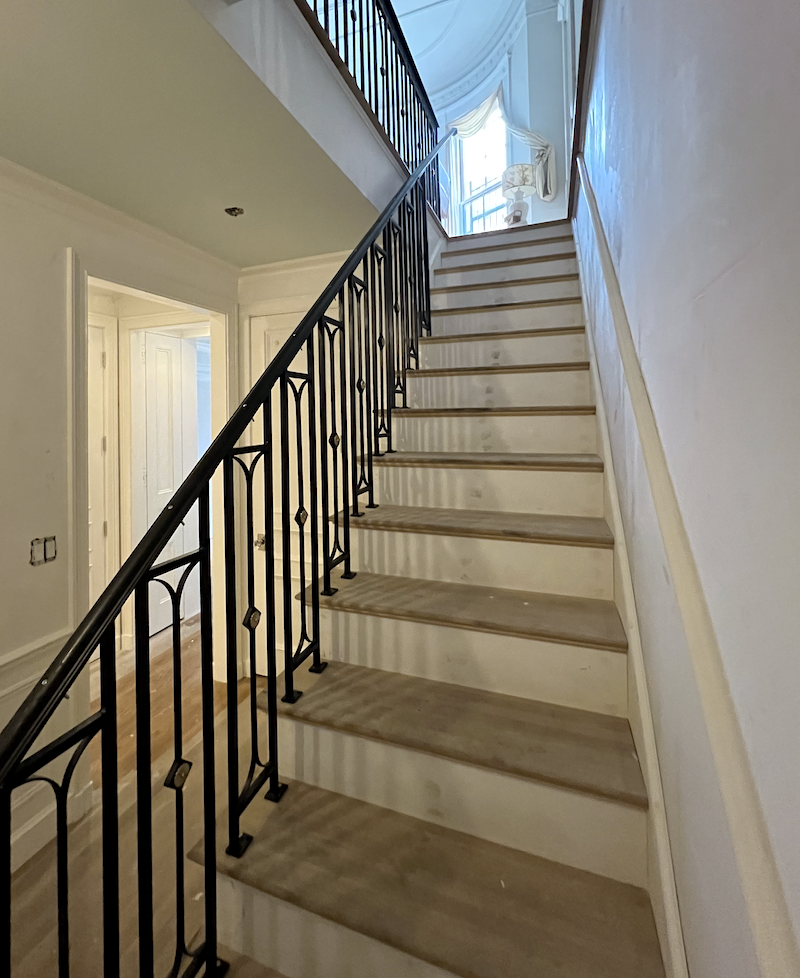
x: 544, y: 162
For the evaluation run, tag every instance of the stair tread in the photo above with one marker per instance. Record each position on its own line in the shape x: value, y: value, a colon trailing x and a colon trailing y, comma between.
x: 569, y: 300
x: 587, y: 622
x: 499, y: 460
x: 471, y: 907
x: 493, y: 368
x: 510, y: 334
x: 484, y: 412
x: 533, y: 260
x: 506, y: 283
x: 508, y: 245
x: 587, y: 752
x: 488, y: 524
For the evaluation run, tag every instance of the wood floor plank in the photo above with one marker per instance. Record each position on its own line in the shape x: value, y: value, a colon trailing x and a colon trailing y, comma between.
x: 449, y: 269
x: 495, y: 369
x: 490, y: 525
x: 555, y: 410
x: 554, y: 744
x: 507, y: 335
x: 526, y: 304
x: 585, y: 622
x: 481, y: 286
x: 474, y: 908
x: 494, y: 460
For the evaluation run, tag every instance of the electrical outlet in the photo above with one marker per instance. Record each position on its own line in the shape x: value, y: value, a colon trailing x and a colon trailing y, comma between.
x: 43, y: 551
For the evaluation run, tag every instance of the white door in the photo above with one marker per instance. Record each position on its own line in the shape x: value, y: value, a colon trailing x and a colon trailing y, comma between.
x: 164, y: 450
x: 97, y: 443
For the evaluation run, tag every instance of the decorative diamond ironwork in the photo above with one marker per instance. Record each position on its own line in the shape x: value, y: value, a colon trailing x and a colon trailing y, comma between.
x: 397, y: 307
x: 252, y: 618
x: 361, y: 385
x: 334, y: 441
x: 381, y: 342
x: 302, y: 517
x: 177, y: 775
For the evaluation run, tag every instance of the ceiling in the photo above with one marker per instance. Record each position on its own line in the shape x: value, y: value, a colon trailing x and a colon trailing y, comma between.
x: 450, y: 38
x: 140, y: 104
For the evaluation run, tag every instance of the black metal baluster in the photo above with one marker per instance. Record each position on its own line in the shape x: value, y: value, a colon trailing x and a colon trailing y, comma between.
x: 361, y: 32
x: 318, y: 665
x: 327, y: 589
x: 214, y: 966
x: 276, y: 789
x: 351, y: 387
x: 389, y: 326
x: 349, y: 573
x: 237, y: 841
x: 376, y: 311
x: 5, y: 881
x: 144, y: 815
x: 291, y: 695
x: 110, y: 801
x: 426, y: 259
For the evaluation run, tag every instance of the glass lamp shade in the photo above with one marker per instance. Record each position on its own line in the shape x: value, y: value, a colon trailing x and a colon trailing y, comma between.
x: 519, y: 179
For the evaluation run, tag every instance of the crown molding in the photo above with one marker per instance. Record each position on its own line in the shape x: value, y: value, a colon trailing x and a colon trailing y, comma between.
x: 509, y: 31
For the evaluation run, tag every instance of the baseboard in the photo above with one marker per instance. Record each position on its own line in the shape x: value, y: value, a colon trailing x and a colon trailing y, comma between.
x: 660, y: 871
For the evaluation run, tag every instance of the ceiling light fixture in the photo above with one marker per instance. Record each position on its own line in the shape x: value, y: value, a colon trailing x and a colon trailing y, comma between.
x: 234, y: 211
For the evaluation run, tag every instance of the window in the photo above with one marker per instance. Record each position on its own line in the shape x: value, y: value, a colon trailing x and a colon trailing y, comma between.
x: 484, y: 158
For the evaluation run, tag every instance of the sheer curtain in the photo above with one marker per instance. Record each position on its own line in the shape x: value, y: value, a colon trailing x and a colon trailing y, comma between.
x: 544, y: 163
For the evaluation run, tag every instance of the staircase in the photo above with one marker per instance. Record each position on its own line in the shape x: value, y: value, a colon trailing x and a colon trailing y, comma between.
x: 467, y: 798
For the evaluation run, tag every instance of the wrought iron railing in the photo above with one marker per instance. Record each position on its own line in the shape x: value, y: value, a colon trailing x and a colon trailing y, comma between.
x: 366, y: 41
x: 298, y: 455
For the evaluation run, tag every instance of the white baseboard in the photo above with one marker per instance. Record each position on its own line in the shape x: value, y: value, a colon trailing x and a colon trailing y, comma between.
x: 660, y: 872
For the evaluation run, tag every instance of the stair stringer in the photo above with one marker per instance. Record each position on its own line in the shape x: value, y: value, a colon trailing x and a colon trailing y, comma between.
x: 661, y: 882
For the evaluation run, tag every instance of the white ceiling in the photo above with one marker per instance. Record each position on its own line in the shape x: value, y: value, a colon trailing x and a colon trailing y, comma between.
x: 450, y: 38
x: 143, y: 106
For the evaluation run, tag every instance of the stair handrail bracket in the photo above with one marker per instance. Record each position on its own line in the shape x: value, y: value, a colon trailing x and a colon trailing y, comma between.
x: 297, y: 454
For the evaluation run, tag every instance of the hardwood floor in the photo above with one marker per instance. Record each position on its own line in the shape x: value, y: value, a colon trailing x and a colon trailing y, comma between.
x: 34, y: 918
x: 161, y: 700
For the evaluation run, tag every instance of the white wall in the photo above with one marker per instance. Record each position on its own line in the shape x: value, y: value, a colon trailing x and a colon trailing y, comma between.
x: 273, y: 38
x: 39, y: 222
x: 692, y: 147
x: 547, y: 105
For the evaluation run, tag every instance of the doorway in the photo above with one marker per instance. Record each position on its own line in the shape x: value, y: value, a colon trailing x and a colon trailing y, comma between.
x: 149, y: 387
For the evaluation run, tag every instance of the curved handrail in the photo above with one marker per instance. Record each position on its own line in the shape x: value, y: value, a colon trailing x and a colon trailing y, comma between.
x: 21, y: 731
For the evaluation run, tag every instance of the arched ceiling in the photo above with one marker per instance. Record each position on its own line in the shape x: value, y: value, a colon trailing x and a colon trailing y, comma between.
x: 451, y: 38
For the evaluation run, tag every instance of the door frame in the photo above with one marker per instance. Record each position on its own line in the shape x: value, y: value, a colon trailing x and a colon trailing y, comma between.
x: 109, y: 325
x: 225, y: 391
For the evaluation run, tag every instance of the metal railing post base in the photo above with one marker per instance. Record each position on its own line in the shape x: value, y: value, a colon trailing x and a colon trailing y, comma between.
x: 238, y: 848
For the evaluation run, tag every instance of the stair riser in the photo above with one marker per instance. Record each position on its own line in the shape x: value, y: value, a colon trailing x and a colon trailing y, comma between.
x: 506, y: 293
x: 547, y: 434
x: 301, y: 944
x: 581, y: 572
x: 499, y: 320
x: 521, y: 350
x: 567, y: 675
x: 567, y: 826
x: 509, y: 491
x: 458, y: 259
x: 507, y: 273
x: 563, y: 388
x: 496, y: 239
